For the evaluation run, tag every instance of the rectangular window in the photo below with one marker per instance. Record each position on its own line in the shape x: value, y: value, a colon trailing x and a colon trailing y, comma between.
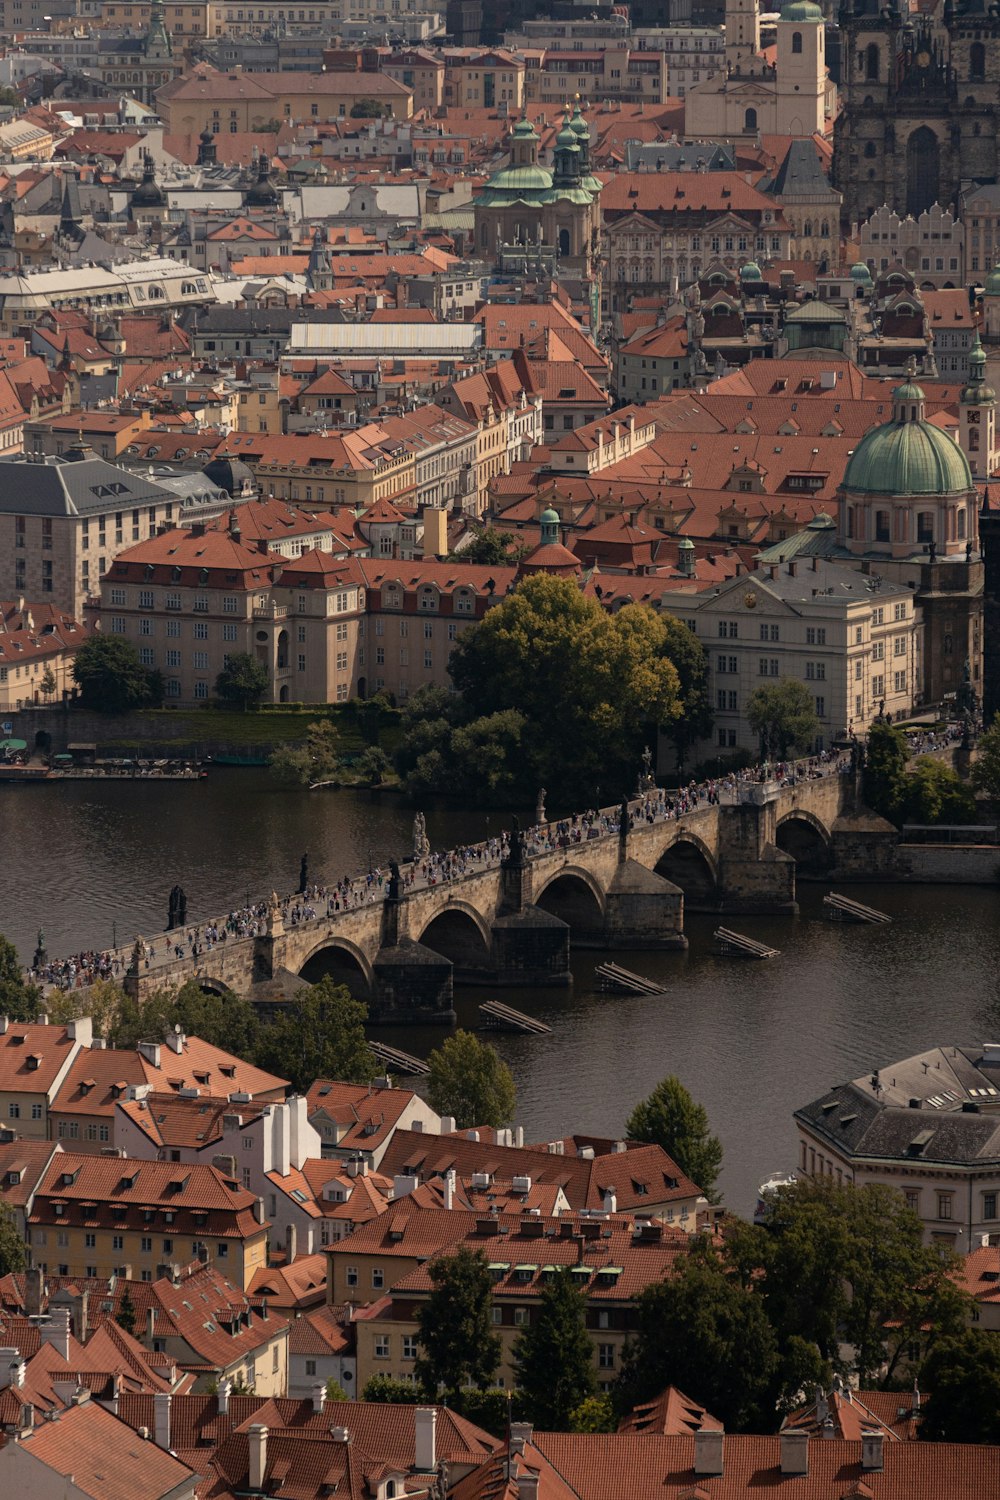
x: 174, y: 629
x: 146, y: 1245
x: 378, y: 1277
x: 821, y: 708
x: 352, y: 1276
x: 944, y: 1202
x: 606, y: 1356
x: 229, y: 632
x: 409, y: 1346
x: 201, y: 630
x: 989, y: 1205
x: 201, y: 661
x: 117, y: 1242
x: 301, y: 660
x: 145, y: 598
x: 230, y: 604
x: 90, y: 1241
x: 382, y: 1346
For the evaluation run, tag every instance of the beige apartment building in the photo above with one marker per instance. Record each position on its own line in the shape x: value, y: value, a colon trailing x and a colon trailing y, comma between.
x: 262, y: 101
x: 37, y: 645
x: 63, y: 521
x: 615, y: 72
x: 483, y: 80
x: 183, y: 22
x: 327, y: 628
x: 855, y: 645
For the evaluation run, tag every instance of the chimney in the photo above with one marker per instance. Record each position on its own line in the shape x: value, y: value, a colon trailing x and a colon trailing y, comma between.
x: 795, y: 1453
x: 222, y: 1397
x: 610, y: 1201
x: 81, y: 1030
x: 319, y: 1398
x: 10, y: 1362
x: 520, y: 1436
x: 527, y: 1485
x: 55, y: 1331
x: 822, y: 1405
x: 175, y: 1040
x: 291, y: 1243
x: 161, y: 1420
x: 871, y: 1450
x: 449, y: 1189
x: 34, y: 1287
x: 258, y: 1455
x: 708, y: 1452
x: 425, y: 1450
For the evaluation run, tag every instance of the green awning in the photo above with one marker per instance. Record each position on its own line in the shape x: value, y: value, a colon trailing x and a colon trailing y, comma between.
x: 13, y: 744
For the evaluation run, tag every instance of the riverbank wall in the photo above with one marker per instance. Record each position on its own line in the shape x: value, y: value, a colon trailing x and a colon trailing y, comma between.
x: 948, y: 864
x: 173, y: 734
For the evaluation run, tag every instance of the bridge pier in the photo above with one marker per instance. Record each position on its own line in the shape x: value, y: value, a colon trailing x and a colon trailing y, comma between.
x: 642, y: 910
x: 754, y: 874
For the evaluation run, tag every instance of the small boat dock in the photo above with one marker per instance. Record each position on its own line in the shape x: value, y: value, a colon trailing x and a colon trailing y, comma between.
x: 499, y: 1017
x: 614, y: 977
x: 729, y: 944
x: 399, y: 1061
x: 843, y: 909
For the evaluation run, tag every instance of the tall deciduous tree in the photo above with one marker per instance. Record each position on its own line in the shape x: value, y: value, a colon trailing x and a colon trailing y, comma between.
x: 694, y: 721
x: 111, y: 678
x: 19, y: 999
x: 670, y: 1118
x: 963, y: 1375
x: 320, y: 1034
x: 783, y: 716
x: 706, y: 1332
x: 316, y: 758
x: 589, y: 684
x: 554, y: 1357
x: 469, y: 1079
x: 457, y: 1343
x: 243, y: 680
x: 886, y: 754
x: 986, y: 769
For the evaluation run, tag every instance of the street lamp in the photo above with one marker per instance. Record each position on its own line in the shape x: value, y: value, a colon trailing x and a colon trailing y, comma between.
x: 114, y: 934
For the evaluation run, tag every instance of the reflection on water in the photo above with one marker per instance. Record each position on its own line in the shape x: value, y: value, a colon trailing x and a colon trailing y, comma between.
x: 751, y: 1040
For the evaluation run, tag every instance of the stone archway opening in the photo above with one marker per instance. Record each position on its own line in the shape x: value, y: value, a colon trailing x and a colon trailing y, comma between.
x: 457, y: 936
x: 807, y: 843
x: 574, y: 901
x: 339, y: 964
x: 686, y: 865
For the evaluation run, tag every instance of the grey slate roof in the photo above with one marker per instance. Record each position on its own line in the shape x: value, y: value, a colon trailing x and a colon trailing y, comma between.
x: 954, y: 1117
x: 800, y: 174
x: 671, y: 156
x: 63, y: 487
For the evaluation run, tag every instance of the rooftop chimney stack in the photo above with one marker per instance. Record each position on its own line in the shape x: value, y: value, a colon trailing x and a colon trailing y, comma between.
x: 425, y: 1420
x: 795, y: 1453
x: 161, y: 1419
x: 258, y: 1455
x: 871, y: 1451
x: 708, y: 1458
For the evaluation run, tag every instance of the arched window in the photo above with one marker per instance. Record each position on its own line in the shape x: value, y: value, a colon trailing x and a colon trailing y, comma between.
x: 977, y: 62
x: 973, y: 439
x: 564, y: 242
x: 925, y: 526
x: 882, y: 533
x: 824, y: 230
x: 796, y: 41
x: 750, y: 120
x: 850, y: 522
x: 961, y: 523
x: 871, y: 63
x: 870, y: 148
x: 807, y: 228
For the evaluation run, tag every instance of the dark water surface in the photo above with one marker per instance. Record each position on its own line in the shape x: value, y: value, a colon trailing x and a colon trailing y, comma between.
x: 750, y: 1040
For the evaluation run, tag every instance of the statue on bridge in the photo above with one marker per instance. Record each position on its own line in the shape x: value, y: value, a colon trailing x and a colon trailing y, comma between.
x: 514, y: 858
x: 303, y: 874
x: 393, y: 889
x: 540, y: 807
x: 40, y: 958
x: 275, y: 923
x: 177, y: 909
x: 421, y: 843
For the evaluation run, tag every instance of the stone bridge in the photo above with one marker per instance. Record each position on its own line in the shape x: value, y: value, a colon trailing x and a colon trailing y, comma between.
x: 512, y: 921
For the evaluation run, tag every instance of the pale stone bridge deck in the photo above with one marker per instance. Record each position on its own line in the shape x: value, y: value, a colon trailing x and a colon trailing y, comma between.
x: 511, y: 921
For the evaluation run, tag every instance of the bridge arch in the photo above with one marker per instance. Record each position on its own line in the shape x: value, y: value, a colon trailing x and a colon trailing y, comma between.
x: 460, y: 933
x: 688, y: 862
x: 806, y: 838
x: 210, y: 985
x: 576, y: 897
x: 342, y: 961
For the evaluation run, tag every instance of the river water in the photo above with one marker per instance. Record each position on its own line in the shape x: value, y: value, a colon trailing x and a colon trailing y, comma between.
x: 89, y: 860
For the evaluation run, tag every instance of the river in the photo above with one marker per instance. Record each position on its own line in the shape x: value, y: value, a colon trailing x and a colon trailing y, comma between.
x: 91, y: 859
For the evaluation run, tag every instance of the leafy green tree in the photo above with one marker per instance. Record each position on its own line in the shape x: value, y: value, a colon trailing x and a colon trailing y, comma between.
x: 423, y: 755
x: 367, y: 109
x: 492, y: 1409
x: 372, y: 715
x: 491, y: 548
x: 554, y: 1357
x: 316, y: 758
x: 469, y: 1080
x: 334, y: 1391
x: 694, y: 722
x: 670, y: 1118
x: 843, y: 1265
x: 372, y: 766
x: 320, y: 1034
x: 705, y: 1331
x: 963, y: 1375
x: 225, y: 1020
x: 243, y: 680
x: 396, y: 1392
x: 111, y: 678
x: 591, y: 686
x: 487, y: 756
x: 19, y: 999
x: 48, y: 683
x: 934, y: 793
x: 986, y: 767
x: 457, y: 1343
x: 783, y: 716
x: 595, y: 1414
x: 886, y: 755
x: 13, y: 1252
x: 126, y: 1311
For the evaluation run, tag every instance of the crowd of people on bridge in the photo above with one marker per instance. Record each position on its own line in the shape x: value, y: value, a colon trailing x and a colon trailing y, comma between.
x: 319, y: 902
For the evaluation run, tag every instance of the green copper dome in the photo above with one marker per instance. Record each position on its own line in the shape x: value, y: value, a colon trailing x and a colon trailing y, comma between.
x: 578, y: 124
x: 801, y: 10
x: 861, y: 274
x: 750, y: 272
x: 907, y: 458
x: 992, y: 286
x: 908, y: 392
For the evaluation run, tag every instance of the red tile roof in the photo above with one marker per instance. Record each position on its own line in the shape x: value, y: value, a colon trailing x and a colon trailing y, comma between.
x: 102, y: 1457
